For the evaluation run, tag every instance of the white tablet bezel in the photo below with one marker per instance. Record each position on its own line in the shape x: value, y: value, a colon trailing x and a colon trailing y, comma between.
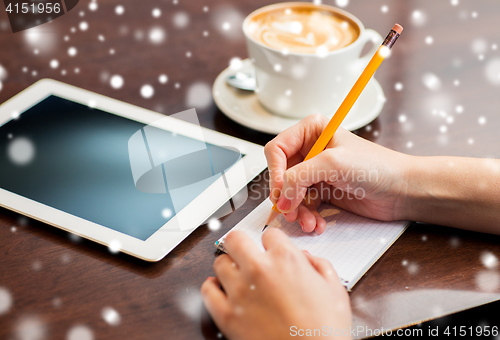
x: 164, y: 239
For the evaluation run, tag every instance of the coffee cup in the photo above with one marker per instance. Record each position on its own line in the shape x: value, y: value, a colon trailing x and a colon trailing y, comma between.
x: 306, y: 57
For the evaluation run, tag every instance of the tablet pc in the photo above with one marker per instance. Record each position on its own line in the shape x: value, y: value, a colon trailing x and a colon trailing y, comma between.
x: 134, y: 180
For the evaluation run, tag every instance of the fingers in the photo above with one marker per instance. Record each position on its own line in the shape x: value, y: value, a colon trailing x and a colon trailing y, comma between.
x: 323, y: 267
x: 226, y: 271
x: 291, y: 216
x: 241, y: 248
x: 274, y: 237
x: 306, y: 219
x: 291, y: 146
x: 320, y: 224
x: 297, y: 179
x: 310, y: 220
x: 215, y: 300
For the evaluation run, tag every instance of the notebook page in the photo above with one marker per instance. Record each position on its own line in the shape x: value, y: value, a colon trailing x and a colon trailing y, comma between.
x: 350, y: 242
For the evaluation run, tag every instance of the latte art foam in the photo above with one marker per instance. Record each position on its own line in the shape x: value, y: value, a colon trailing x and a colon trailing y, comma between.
x: 302, y: 30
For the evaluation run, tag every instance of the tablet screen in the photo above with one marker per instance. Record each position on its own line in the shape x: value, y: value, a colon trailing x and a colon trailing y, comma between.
x: 76, y: 159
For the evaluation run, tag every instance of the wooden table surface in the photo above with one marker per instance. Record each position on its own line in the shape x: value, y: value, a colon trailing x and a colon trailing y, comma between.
x: 448, y: 105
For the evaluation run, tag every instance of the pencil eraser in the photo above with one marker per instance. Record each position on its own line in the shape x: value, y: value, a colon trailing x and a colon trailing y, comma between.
x: 398, y: 28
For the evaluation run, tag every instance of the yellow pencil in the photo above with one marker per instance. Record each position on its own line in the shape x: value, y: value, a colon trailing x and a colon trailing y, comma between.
x: 344, y: 108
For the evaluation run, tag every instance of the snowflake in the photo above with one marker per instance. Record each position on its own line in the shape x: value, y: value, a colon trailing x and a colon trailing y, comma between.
x: 31, y: 328
x: 199, y: 95
x: 147, y: 91
x: 489, y: 260
x: 191, y: 303
x: 418, y: 18
x: 80, y: 332
x: 413, y: 268
x: 83, y: 26
x: 5, y: 300
x: 116, y: 81
x: 114, y: 246
x: 214, y: 224
x: 488, y: 280
x: 431, y: 81
x: 479, y: 46
x: 342, y: 3
x: 111, y: 316
x: 235, y: 64
x: 166, y: 213
x: 492, y: 71
x: 163, y: 78
x: 157, y: 35
x: 119, y: 10
x: 21, y: 151
x: 181, y: 20
x: 156, y: 13
x: 321, y: 51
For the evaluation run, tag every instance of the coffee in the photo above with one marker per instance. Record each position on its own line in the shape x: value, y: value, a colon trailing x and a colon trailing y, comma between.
x: 302, y: 29
x: 305, y: 56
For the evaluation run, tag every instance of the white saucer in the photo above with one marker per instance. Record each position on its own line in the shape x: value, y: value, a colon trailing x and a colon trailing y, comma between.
x: 244, y: 108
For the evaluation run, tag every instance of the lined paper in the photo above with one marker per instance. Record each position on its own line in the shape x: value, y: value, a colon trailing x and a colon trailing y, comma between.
x: 350, y: 242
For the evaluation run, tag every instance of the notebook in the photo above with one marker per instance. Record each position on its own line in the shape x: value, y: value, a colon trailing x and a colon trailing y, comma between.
x: 350, y: 242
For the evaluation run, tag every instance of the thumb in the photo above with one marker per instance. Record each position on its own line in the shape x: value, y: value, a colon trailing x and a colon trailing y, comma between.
x: 298, y: 178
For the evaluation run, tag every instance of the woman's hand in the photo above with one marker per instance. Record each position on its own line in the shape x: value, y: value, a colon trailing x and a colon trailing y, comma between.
x: 272, y: 294
x: 351, y: 173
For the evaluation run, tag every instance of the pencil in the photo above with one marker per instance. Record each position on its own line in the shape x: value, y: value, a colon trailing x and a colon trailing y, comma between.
x: 382, y: 52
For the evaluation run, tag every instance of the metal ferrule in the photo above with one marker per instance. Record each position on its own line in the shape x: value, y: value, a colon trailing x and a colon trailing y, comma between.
x: 391, y: 38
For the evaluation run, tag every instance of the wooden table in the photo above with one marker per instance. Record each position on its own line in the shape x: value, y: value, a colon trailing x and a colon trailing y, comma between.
x: 58, y: 283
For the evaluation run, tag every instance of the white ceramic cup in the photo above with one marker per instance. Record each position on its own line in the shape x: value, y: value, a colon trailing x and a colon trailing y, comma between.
x: 295, y: 85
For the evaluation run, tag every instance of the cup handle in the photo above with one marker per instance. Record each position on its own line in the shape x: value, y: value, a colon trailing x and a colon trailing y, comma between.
x: 376, y: 39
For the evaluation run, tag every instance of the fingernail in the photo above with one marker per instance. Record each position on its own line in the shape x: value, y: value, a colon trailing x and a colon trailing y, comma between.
x: 305, y: 251
x: 284, y: 204
x: 208, y: 278
x: 302, y: 224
